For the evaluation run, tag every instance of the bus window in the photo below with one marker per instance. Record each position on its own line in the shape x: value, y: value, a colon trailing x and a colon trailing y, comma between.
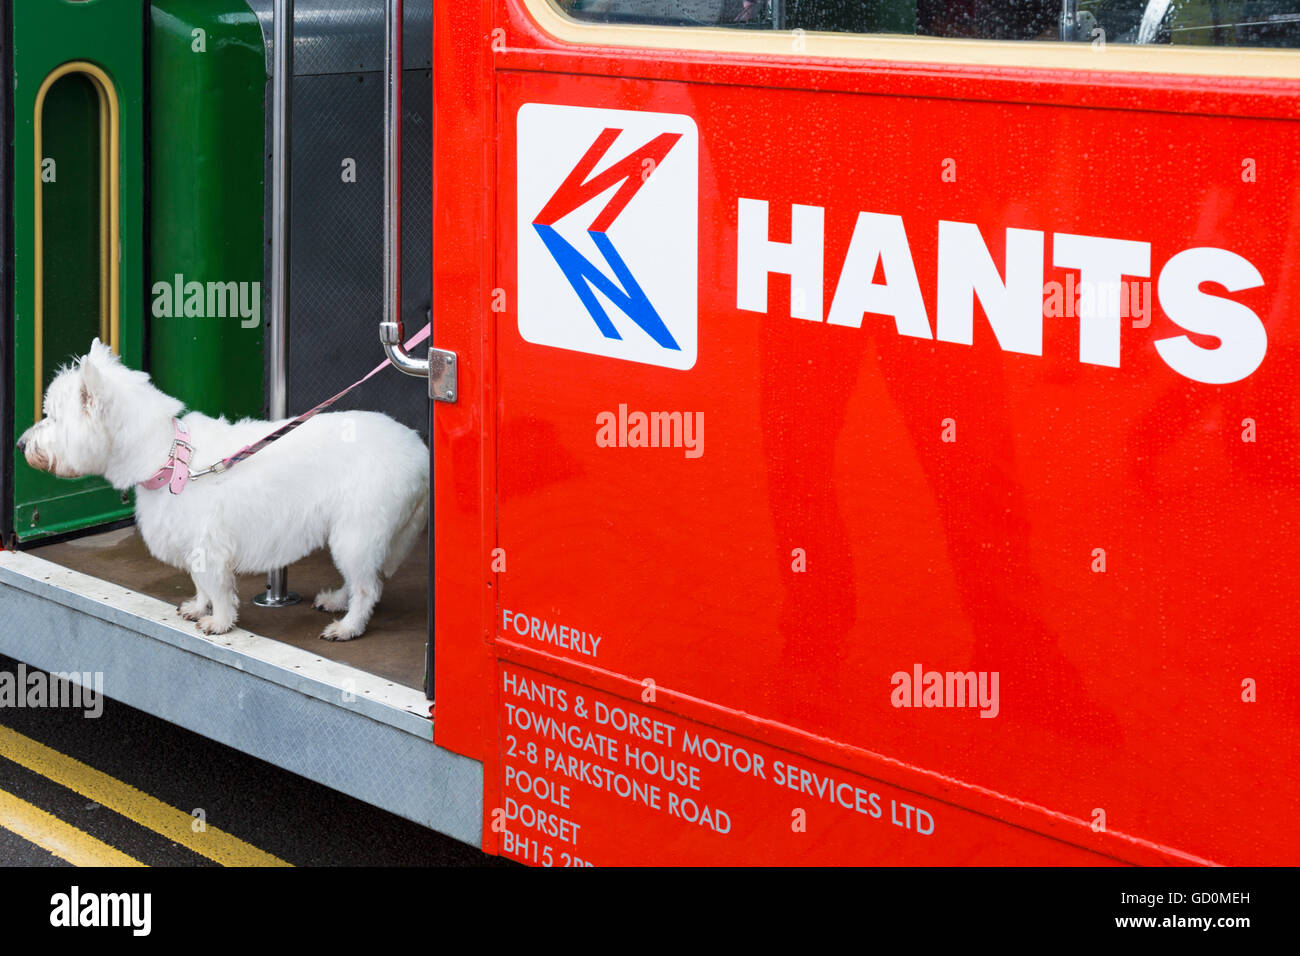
x: 1257, y: 23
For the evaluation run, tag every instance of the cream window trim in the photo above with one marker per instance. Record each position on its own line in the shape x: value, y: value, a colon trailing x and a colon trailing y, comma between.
x: 1043, y: 54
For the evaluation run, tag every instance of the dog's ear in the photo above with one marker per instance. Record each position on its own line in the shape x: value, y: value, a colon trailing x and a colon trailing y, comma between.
x: 92, y: 381
x: 100, y: 352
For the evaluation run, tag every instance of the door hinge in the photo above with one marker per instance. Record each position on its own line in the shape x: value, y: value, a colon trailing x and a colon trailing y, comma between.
x: 442, y: 375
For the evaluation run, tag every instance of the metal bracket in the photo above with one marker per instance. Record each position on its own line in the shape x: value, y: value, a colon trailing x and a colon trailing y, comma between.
x: 1077, y: 25
x: 442, y: 376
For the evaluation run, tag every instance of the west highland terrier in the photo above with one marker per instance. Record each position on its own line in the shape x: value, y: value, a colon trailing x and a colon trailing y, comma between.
x: 357, y: 481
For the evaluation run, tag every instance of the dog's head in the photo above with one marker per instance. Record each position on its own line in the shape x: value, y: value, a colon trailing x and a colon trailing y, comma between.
x: 87, y: 407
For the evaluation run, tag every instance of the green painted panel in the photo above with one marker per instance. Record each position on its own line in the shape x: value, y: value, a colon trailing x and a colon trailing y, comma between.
x: 109, y: 34
x: 206, y: 192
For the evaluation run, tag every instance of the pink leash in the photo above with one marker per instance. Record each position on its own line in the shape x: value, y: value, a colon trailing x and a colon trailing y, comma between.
x: 176, y: 473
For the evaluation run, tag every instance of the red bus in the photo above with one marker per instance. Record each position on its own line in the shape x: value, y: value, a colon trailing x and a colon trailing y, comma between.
x: 861, y: 433
x: 974, y: 537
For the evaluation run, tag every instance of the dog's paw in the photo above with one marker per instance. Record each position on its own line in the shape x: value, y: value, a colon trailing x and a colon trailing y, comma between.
x: 332, y: 602
x: 192, y: 610
x: 337, y: 632
x: 210, y: 625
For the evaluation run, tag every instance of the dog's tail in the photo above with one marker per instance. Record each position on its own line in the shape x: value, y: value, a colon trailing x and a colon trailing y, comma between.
x: 402, y: 542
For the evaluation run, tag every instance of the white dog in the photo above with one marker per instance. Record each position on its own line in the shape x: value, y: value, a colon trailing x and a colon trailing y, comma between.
x: 357, y: 481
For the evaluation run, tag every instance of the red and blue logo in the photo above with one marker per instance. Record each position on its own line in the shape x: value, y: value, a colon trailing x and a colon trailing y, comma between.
x: 608, y: 232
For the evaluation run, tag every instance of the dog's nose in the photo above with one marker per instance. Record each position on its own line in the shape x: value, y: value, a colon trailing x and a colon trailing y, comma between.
x: 22, y: 443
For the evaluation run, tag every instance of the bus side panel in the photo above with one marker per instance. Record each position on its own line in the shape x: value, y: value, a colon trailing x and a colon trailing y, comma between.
x: 1093, y: 528
x: 883, y: 497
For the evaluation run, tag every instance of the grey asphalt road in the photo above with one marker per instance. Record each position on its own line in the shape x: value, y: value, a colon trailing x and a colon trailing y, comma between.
x: 276, y: 811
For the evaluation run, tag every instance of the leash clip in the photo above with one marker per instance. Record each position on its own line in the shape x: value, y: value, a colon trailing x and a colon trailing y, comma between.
x: 216, y: 469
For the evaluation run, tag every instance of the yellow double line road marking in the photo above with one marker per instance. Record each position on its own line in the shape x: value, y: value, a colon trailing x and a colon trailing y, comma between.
x: 63, y: 840
x: 135, y: 805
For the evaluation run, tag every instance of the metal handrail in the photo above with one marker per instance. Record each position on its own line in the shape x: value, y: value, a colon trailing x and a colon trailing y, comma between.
x: 390, y: 329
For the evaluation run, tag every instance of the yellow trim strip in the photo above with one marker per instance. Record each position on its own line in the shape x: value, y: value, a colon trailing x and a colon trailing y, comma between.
x: 1280, y: 64
x: 62, y: 839
x: 105, y: 212
x: 110, y: 211
x: 131, y: 803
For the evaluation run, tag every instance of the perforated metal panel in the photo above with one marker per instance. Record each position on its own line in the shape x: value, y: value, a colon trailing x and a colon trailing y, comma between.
x: 342, y: 36
x: 336, y: 266
x: 336, y: 218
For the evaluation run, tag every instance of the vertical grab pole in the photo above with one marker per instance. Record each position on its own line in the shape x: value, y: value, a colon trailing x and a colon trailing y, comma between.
x: 277, y: 582
x: 1069, y: 20
x: 778, y: 15
x: 391, y: 333
x: 393, y: 17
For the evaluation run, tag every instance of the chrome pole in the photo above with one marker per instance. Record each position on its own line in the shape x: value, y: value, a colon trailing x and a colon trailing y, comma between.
x: 277, y: 582
x: 1069, y: 20
x: 390, y: 329
x: 778, y: 15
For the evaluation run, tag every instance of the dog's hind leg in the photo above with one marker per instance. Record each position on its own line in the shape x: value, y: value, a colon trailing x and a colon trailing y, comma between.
x: 363, y: 595
x: 356, y: 556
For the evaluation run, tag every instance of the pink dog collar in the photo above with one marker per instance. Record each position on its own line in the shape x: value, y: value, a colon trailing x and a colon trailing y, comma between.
x: 176, y: 473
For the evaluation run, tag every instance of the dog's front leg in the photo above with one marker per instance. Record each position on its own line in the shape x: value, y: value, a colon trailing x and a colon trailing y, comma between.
x: 195, y: 607
x: 217, y: 582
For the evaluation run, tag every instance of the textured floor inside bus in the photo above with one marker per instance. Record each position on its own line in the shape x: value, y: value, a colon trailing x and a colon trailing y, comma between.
x: 392, y: 647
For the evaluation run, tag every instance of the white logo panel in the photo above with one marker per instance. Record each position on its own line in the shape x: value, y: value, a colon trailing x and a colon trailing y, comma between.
x: 608, y: 232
